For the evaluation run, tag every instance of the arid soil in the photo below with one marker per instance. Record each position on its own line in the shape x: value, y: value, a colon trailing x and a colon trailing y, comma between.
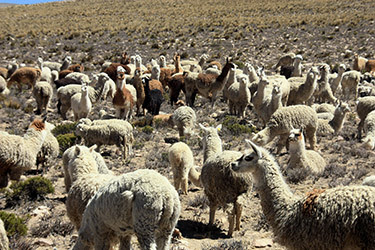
x: 347, y: 162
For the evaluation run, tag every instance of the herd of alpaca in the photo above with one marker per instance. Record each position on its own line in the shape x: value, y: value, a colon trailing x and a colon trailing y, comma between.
x: 108, y: 209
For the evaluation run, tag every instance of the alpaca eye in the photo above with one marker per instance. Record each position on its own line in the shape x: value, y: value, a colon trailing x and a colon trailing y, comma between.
x: 248, y: 158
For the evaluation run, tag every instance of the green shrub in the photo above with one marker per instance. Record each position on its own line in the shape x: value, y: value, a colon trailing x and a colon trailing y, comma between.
x: 14, y: 225
x: 233, y: 125
x: 66, y: 141
x: 64, y: 129
x: 34, y: 188
x: 147, y: 129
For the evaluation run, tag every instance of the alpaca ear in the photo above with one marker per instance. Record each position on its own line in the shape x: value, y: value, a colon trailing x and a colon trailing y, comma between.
x: 77, y: 150
x: 202, y: 127
x: 93, y: 147
x: 255, y: 148
x: 301, y: 129
x: 219, y: 127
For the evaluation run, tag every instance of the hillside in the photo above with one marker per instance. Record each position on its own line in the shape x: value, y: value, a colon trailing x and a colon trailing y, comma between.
x: 259, y: 32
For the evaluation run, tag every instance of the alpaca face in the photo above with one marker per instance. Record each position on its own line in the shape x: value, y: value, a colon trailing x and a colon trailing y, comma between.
x: 248, y: 162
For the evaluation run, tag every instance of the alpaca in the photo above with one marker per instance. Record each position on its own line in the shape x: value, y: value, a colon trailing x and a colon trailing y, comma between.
x: 207, y: 85
x: 302, y: 162
x: 222, y: 186
x: 337, y: 218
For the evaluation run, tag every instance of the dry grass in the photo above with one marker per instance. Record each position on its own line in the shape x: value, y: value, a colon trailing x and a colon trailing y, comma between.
x: 159, y: 17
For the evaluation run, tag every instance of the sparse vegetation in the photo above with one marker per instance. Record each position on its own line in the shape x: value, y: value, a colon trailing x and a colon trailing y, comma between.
x: 34, y: 188
x: 14, y: 225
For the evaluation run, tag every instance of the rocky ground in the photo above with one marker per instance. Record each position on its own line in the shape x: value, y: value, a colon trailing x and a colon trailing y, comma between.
x: 347, y: 162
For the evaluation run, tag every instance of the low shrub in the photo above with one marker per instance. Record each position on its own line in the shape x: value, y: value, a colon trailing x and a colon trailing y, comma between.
x: 14, y: 225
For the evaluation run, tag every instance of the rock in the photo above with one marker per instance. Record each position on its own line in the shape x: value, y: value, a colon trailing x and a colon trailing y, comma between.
x: 262, y: 243
x: 43, y: 242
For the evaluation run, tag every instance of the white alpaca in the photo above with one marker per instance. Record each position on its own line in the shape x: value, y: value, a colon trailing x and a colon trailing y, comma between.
x: 81, y: 104
x: 335, y: 219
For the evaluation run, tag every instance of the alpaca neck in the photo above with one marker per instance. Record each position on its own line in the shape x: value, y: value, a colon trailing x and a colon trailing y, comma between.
x: 297, y: 149
x: 213, y: 146
x: 163, y: 64
x: 223, y: 77
x: 297, y: 68
x: 177, y: 65
x: 139, y: 87
x: 35, y: 140
x: 274, y: 193
x: 231, y: 79
x: 276, y: 101
x: 324, y: 78
x: 195, y: 177
x: 202, y: 61
x: 253, y: 77
x: 337, y: 120
x: 155, y: 75
x: 85, y: 100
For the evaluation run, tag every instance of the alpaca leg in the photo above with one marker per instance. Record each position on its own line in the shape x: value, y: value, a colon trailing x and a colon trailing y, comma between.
x: 163, y: 238
x: 312, y: 138
x: 64, y: 109
x: 15, y: 174
x: 81, y: 246
x: 213, y: 208
x: 125, y: 243
x: 146, y: 240
x: 281, y: 143
x: 3, y: 179
x: 360, y: 128
x: 238, y: 209
x: 231, y: 216
x: 184, y: 185
x: 125, y: 153
x: 102, y: 244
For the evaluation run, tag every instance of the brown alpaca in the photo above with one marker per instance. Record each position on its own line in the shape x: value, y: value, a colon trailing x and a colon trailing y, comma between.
x: 370, y: 67
x: 207, y: 85
x: 155, y: 84
x: 359, y: 63
x: 215, y: 63
x: 71, y: 69
x: 123, y: 102
x: 112, y: 70
x: 125, y: 59
x: 4, y: 72
x: 176, y: 83
x: 177, y: 64
x: 140, y: 91
x: 25, y: 76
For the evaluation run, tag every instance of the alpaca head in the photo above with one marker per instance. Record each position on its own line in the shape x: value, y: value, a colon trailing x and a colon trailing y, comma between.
x: 248, y: 162
x: 209, y: 133
x: 84, y: 90
x: 342, y: 68
x: 68, y: 59
x: 102, y: 77
x: 244, y: 80
x: 324, y: 69
x: 342, y: 108
x: 120, y: 73
x: 298, y: 58
x: 296, y: 140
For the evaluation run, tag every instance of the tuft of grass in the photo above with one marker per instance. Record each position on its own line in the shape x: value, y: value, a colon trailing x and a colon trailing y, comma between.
x: 14, y: 225
x: 147, y: 129
x: 233, y: 125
